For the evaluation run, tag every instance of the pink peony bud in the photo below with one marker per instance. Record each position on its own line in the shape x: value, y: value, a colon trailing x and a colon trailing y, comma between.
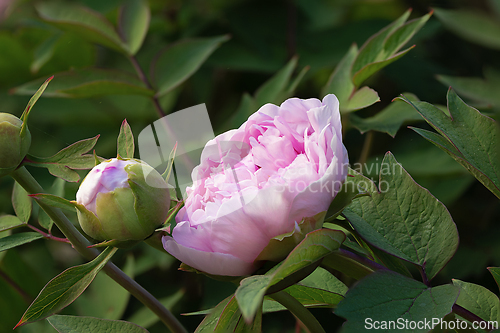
x: 259, y: 189
x: 114, y: 201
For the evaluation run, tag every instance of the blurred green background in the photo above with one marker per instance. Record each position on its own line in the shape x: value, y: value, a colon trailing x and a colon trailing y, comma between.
x: 462, y: 51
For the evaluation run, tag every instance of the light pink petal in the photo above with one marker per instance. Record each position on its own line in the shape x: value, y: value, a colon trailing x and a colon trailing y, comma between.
x: 195, y: 236
x: 267, y: 111
x: 246, y: 231
x: 209, y: 262
x: 319, y: 194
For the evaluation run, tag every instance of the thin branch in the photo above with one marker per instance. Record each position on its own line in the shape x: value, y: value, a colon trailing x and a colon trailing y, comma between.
x: 351, y: 264
x: 425, y: 279
x: 80, y: 243
x: 27, y: 298
x: 466, y: 314
x: 367, y: 146
x: 143, y: 78
x: 362, y: 260
x: 47, y: 235
x: 298, y: 310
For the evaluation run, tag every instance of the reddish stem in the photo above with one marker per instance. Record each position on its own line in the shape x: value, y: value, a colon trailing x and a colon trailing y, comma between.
x: 48, y: 235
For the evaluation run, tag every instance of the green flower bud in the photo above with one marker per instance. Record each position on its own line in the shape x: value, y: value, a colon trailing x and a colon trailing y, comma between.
x: 116, y: 202
x: 13, y: 147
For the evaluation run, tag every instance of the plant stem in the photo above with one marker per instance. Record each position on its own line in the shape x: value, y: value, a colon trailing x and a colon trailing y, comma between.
x: 425, y: 280
x: 143, y: 78
x: 298, y: 310
x: 47, y: 235
x: 466, y: 314
x: 350, y: 264
x: 365, y: 151
x: 80, y: 243
x: 27, y: 298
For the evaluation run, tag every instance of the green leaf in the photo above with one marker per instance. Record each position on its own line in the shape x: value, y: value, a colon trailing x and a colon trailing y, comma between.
x: 382, y: 48
x: 168, y: 171
x: 296, y: 81
x: 279, y: 87
x: 37, y: 93
x: 475, y: 27
x: 374, y: 46
x: 74, y: 324
x: 56, y: 189
x: 8, y: 222
x: 63, y: 163
x: 478, y: 89
x: 478, y: 300
x: 388, y: 296
x: 422, y: 230
x: 370, y: 69
x: 349, y: 266
x: 146, y: 318
x: 340, y: 82
x: 180, y: 60
x: 65, y: 288
x: 272, y: 90
x: 230, y: 320
x: 105, y: 298
x: 322, y: 279
x: 390, y: 119
x: 210, y: 321
x: 82, y: 21
x: 133, y: 22
x: 309, y: 297
x: 361, y: 99
x: 18, y: 239
x: 43, y: 53
x: 89, y: 82
x: 471, y: 138
x: 245, y: 109
x: 125, y: 143
x: 21, y: 202
x: 495, y: 271
x: 348, y: 192
x: 315, y: 246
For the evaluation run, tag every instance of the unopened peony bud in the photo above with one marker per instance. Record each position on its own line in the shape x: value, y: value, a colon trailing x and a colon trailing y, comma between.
x: 13, y: 147
x: 114, y: 201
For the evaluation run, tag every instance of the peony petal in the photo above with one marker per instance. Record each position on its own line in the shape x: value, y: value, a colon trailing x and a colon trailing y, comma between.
x: 196, y: 236
x: 208, y: 262
x: 319, y: 194
x: 245, y: 232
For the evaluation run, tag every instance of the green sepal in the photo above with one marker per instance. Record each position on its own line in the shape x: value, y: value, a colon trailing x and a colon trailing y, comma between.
x: 54, y: 201
x: 147, y: 196
x: 280, y: 246
x: 155, y: 240
x: 33, y: 100
x: 117, y: 215
x: 89, y: 222
x: 170, y: 165
x: 96, y: 159
x: 115, y: 243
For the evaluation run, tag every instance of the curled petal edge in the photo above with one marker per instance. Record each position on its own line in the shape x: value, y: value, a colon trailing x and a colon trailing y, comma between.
x: 209, y: 262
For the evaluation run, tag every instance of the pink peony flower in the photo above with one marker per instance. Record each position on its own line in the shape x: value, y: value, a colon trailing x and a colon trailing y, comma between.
x: 259, y: 189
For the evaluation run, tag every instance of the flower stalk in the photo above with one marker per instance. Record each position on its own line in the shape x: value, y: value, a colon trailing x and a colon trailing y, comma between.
x: 80, y: 243
x: 298, y: 310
